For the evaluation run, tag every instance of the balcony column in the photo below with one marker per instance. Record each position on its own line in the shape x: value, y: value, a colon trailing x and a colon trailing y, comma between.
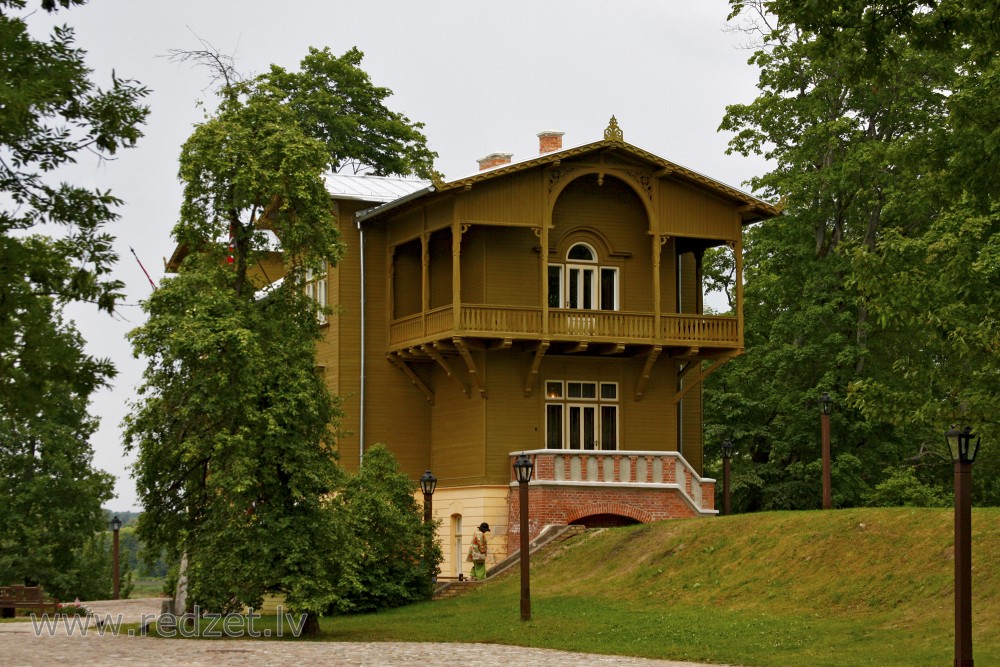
x: 699, y: 293
x: 390, y: 270
x: 457, y: 229
x: 543, y: 261
x: 425, y: 292
x: 737, y: 248
x: 658, y: 242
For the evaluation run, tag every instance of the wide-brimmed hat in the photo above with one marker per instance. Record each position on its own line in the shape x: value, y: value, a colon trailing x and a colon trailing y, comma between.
x: 485, y: 527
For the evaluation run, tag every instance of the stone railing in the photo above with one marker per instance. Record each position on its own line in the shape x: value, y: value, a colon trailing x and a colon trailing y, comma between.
x: 623, y: 469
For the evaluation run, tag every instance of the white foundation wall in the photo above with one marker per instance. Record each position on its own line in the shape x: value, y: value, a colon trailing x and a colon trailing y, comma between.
x: 459, y: 511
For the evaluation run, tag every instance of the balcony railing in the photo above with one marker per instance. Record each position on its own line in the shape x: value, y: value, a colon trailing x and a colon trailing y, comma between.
x: 624, y: 469
x: 612, y: 326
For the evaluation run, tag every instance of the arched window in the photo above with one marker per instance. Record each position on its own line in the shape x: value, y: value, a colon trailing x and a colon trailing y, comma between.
x: 581, y: 284
x: 582, y: 252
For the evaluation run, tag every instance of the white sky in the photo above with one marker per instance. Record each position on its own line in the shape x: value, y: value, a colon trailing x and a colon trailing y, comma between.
x: 482, y: 77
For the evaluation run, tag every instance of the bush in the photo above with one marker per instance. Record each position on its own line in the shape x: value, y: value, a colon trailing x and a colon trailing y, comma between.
x: 394, y: 556
x: 902, y: 488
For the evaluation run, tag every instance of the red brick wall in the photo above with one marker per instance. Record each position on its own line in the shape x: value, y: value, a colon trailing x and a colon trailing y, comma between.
x: 563, y: 504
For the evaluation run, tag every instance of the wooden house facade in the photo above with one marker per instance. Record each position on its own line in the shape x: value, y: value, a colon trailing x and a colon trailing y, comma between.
x: 550, y: 306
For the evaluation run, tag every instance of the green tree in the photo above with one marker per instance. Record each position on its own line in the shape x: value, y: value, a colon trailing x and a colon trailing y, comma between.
x: 857, y: 147
x: 234, y: 429
x: 53, y: 250
x: 395, y: 557
x: 925, y: 75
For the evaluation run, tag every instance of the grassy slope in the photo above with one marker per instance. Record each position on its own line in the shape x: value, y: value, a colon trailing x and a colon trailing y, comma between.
x: 846, y: 587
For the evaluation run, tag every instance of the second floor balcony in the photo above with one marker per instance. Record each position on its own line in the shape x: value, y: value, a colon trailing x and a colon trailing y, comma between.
x: 609, y: 331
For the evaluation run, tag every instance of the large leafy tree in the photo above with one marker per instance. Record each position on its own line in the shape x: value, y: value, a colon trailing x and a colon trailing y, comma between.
x: 53, y: 251
x: 859, y: 118
x: 234, y: 429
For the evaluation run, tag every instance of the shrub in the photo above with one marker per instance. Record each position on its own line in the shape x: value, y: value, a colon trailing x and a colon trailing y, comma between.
x: 394, y: 555
x: 902, y: 488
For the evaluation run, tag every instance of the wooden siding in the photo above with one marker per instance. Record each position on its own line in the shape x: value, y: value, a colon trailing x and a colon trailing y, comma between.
x: 408, y: 225
x: 407, y: 278
x: 510, y: 201
x: 457, y: 427
x: 473, y: 263
x: 688, y: 211
x: 338, y: 351
x: 267, y: 269
x: 441, y: 266
x: 396, y: 413
x: 511, y: 267
x: 612, y: 218
x: 691, y: 412
x: 513, y: 422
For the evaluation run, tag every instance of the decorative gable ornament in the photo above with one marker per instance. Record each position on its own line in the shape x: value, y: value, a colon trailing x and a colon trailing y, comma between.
x: 613, y: 132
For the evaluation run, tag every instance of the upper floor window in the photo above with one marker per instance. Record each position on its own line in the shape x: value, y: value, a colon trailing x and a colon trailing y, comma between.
x: 316, y: 288
x: 581, y: 283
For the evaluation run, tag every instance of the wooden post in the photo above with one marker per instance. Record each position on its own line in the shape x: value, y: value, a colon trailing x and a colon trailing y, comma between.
x: 525, y: 571
x: 963, y: 564
x: 825, y: 421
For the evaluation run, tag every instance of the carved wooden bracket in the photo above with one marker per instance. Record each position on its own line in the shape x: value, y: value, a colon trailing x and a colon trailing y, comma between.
x: 647, y: 370
x: 470, y: 364
x: 431, y: 352
x: 417, y: 382
x: 529, y: 382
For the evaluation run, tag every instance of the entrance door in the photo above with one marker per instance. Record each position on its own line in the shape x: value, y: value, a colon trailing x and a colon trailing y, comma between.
x: 582, y: 426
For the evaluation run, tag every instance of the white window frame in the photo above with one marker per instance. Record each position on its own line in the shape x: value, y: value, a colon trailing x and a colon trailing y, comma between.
x: 315, y: 289
x: 557, y: 394
x: 588, y: 271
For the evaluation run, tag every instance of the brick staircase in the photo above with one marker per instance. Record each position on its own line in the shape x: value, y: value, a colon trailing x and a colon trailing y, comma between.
x: 550, y: 536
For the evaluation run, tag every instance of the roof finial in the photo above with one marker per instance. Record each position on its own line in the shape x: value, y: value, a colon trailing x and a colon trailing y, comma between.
x: 613, y: 133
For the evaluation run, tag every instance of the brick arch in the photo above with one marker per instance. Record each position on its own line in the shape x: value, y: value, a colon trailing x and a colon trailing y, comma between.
x: 622, y: 509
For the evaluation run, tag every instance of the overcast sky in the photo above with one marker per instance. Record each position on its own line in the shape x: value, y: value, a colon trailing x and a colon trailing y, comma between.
x: 483, y: 77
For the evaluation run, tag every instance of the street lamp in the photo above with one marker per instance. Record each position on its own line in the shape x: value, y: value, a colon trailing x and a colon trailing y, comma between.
x: 824, y: 408
x: 963, y: 453
x: 116, y: 525
x: 727, y: 453
x: 522, y: 473
x: 427, y: 484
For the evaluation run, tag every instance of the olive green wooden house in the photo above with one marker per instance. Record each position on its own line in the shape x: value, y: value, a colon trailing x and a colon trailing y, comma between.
x: 552, y: 306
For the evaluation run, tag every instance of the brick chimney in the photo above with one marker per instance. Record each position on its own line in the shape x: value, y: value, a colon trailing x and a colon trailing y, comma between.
x: 494, y: 160
x: 549, y: 141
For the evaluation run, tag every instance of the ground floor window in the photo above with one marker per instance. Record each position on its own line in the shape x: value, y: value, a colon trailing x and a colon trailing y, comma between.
x: 581, y: 415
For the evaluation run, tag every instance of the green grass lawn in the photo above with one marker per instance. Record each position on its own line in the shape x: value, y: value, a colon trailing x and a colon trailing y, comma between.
x: 845, y: 587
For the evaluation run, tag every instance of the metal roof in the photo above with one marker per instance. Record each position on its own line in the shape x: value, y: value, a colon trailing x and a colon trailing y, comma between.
x: 376, y: 189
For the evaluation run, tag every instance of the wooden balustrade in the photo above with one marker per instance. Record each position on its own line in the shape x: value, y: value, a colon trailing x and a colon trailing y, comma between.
x: 564, y: 324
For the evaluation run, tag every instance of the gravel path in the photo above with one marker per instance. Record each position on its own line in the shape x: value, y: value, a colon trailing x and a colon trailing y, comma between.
x: 22, y: 646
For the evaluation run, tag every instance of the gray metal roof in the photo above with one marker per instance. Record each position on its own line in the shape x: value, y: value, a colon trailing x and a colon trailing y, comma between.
x: 376, y: 189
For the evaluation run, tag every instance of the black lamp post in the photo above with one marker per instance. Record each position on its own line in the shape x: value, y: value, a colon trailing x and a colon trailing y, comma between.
x: 522, y: 473
x: 824, y: 408
x: 116, y: 525
x: 963, y: 453
x: 427, y: 484
x: 727, y: 453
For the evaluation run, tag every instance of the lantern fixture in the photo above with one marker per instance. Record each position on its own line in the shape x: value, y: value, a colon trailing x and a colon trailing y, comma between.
x: 522, y: 468
x: 116, y: 524
x: 428, y: 483
x: 825, y: 402
x: 963, y: 449
x: 728, y: 449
